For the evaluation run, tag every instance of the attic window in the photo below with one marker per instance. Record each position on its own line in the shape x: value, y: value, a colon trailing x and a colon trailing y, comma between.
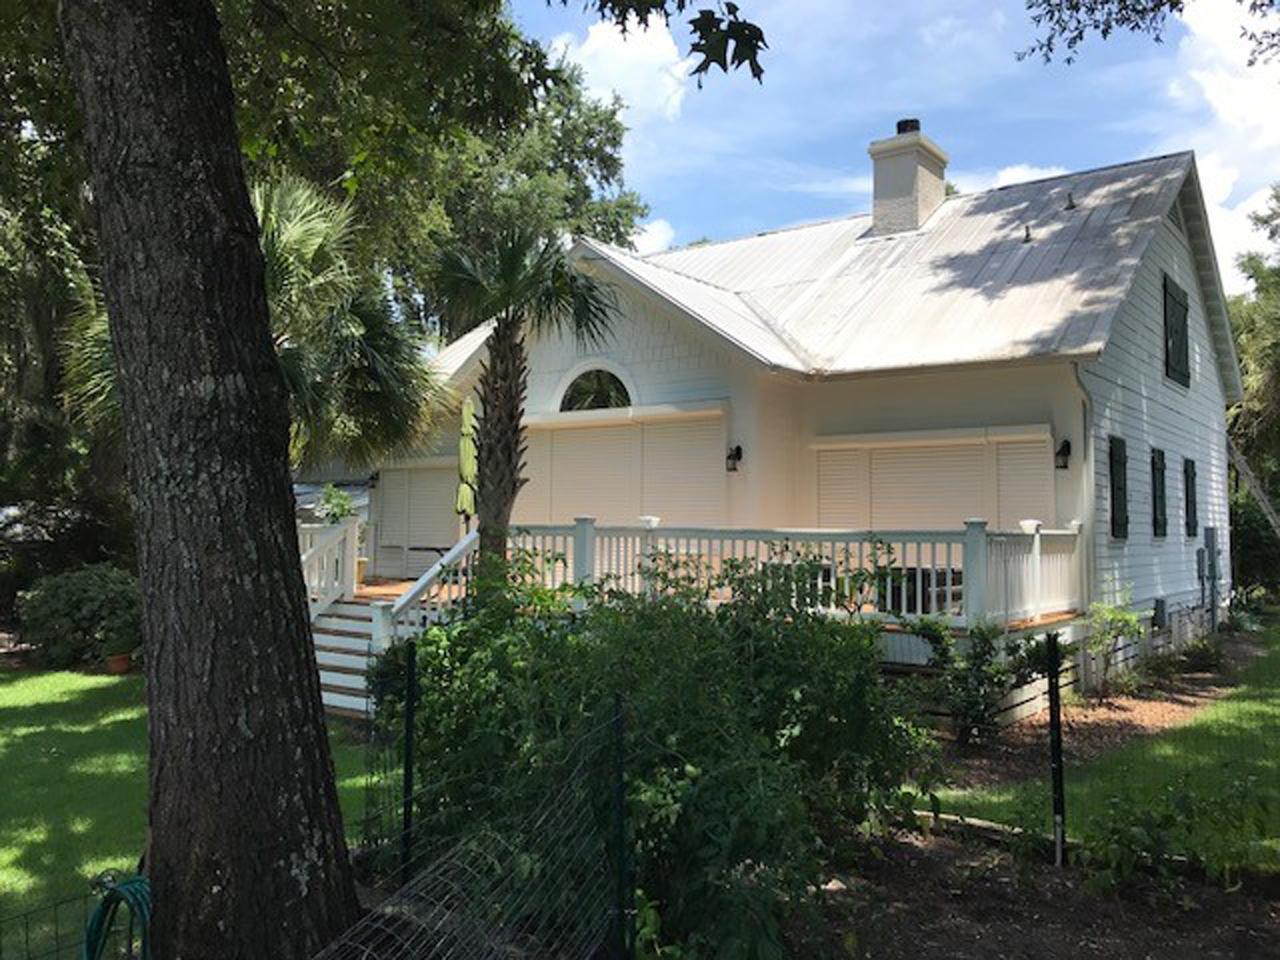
x: 1177, y: 363
x: 595, y: 390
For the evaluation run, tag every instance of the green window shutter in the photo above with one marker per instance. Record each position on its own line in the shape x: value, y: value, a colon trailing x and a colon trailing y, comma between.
x: 1177, y: 350
x: 1159, y: 501
x: 1119, y: 463
x: 1189, y: 486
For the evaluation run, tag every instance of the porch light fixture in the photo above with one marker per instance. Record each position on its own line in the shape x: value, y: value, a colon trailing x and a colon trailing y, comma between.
x: 1062, y: 456
x: 733, y: 458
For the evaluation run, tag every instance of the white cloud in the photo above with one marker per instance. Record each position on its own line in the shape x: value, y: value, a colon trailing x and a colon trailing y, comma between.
x: 1226, y: 110
x: 833, y: 186
x: 972, y: 181
x: 653, y: 236
x: 643, y: 67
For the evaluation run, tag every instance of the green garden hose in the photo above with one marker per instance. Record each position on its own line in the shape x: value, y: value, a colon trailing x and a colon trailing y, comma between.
x: 135, y: 893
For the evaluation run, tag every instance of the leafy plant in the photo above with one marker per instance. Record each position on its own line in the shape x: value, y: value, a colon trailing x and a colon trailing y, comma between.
x: 1159, y: 835
x: 82, y: 615
x: 1109, y: 624
x: 756, y: 730
x: 1204, y: 654
x: 972, y: 683
x: 335, y: 504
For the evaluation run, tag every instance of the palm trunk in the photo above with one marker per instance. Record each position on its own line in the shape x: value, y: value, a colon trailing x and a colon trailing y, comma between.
x: 500, y: 441
x: 246, y: 851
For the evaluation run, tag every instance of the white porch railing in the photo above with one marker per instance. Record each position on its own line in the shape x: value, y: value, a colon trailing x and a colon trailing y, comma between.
x: 442, y: 585
x: 329, y: 559
x: 962, y: 576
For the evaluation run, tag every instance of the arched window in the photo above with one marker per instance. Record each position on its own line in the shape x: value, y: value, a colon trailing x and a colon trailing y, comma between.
x: 595, y: 390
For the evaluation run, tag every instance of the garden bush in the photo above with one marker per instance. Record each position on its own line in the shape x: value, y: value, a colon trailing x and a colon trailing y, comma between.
x: 77, y: 617
x: 756, y: 732
x: 973, y: 680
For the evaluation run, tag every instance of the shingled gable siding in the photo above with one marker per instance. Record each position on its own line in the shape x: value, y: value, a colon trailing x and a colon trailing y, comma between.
x: 1133, y: 398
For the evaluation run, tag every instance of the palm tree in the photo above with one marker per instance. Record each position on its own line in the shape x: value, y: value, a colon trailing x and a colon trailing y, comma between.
x: 524, y: 285
x: 359, y: 387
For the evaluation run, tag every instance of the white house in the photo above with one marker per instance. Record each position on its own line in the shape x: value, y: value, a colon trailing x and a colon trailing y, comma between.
x: 1056, y: 351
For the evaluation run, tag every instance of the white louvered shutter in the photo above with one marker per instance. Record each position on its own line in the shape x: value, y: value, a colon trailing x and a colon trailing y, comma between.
x: 844, y: 494
x: 926, y: 487
x: 1024, y: 478
x: 684, y: 474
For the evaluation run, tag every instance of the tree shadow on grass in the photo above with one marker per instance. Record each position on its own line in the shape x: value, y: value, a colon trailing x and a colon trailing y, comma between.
x: 73, y: 748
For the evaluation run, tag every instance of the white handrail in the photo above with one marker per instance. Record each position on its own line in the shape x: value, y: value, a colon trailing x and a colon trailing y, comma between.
x: 424, y: 582
x: 329, y: 563
x: 333, y: 532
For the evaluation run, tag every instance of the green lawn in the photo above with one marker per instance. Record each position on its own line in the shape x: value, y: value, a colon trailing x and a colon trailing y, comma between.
x: 1228, y: 741
x: 73, y: 756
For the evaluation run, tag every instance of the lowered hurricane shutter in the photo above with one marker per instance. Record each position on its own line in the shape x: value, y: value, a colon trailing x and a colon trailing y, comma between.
x: 844, y: 489
x: 1024, y: 482
x: 1119, y: 472
x: 926, y: 487
x: 393, y: 522
x: 684, y: 476
x: 595, y: 473
x: 433, y: 525
x: 533, y: 503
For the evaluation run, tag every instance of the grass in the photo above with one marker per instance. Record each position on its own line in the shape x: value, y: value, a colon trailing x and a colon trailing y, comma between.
x: 1225, y: 744
x: 73, y: 751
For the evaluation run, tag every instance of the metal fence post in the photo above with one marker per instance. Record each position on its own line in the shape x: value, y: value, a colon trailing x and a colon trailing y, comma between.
x: 975, y: 571
x: 1055, y: 748
x: 410, y: 708
x: 624, y: 915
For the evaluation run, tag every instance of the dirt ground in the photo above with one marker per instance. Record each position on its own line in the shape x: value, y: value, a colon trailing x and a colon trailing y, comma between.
x: 1091, y: 728
x: 921, y: 898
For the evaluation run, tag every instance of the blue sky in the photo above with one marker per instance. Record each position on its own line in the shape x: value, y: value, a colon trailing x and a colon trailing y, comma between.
x: 736, y: 157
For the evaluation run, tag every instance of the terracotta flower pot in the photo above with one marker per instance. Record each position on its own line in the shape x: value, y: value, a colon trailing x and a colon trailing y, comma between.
x: 119, y: 663
x: 362, y: 569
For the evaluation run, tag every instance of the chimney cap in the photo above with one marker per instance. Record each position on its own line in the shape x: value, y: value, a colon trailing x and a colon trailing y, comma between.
x: 909, y: 125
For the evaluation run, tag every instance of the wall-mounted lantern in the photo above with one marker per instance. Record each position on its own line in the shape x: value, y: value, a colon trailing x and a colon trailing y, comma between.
x: 733, y: 458
x: 1062, y: 456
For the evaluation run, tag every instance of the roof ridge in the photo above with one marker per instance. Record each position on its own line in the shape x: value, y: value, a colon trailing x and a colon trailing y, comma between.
x: 663, y: 266
x: 652, y: 257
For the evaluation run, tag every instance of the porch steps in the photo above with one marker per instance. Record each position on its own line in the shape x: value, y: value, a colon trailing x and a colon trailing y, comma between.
x: 343, y: 637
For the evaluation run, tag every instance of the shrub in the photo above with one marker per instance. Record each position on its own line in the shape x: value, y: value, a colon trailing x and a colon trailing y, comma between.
x: 79, y: 616
x: 1153, y: 835
x: 1204, y: 654
x: 756, y: 730
x: 1108, y: 625
x: 335, y: 504
x: 972, y: 684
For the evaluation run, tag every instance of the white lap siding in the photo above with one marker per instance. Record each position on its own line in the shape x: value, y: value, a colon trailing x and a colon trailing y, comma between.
x: 1133, y: 399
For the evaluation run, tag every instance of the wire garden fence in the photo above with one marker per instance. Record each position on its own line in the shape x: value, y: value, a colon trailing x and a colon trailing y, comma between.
x: 466, y: 868
x: 56, y: 931
x: 1165, y: 768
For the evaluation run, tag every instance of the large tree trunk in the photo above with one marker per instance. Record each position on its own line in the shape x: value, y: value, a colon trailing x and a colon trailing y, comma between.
x: 246, y: 854
x: 500, y: 444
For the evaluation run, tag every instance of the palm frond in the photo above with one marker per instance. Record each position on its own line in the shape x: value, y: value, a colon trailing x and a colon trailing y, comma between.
x: 89, y: 391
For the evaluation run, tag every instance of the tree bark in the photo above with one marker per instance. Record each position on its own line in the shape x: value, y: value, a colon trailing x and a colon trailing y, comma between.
x: 246, y: 851
x: 500, y: 443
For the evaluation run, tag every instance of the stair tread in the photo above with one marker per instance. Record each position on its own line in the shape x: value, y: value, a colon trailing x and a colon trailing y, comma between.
x: 338, y: 668
x: 320, y: 630
x: 343, y: 651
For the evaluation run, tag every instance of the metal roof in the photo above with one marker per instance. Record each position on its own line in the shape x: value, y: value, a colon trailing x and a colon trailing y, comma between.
x: 1030, y: 270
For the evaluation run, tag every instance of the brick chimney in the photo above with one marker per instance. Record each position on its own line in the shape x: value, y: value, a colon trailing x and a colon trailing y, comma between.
x: 909, y: 179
